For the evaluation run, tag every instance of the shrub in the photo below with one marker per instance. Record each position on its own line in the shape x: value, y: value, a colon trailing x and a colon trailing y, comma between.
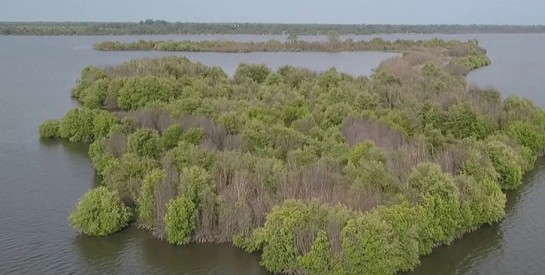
x: 319, y: 260
x: 193, y: 136
x: 146, y: 201
x: 85, y: 125
x: 99, y: 156
x: 368, y: 246
x: 171, y: 136
x: 144, y: 143
x: 406, y: 224
x: 438, y: 195
x: 100, y: 212
x: 527, y: 134
x: 102, y: 123
x: 77, y: 125
x: 126, y: 174
x: 505, y: 163
x: 49, y: 129
x: 139, y: 91
x: 257, y: 73
x: 180, y: 220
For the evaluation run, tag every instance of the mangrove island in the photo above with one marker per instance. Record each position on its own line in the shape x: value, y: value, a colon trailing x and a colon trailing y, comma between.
x: 322, y: 172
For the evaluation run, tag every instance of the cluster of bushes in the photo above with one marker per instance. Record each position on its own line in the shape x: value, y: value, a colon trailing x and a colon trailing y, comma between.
x: 322, y: 172
x: 79, y: 125
x: 100, y: 212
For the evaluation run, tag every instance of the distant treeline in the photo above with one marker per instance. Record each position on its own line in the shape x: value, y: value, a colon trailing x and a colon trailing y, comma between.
x: 163, y: 27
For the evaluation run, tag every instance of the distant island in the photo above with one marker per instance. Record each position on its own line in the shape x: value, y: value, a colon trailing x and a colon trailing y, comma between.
x: 163, y: 27
x: 466, y: 55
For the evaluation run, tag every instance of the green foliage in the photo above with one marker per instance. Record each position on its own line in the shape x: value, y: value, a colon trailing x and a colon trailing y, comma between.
x: 146, y: 201
x: 438, y: 195
x: 232, y: 122
x: 283, y: 224
x: 100, y: 212
x: 484, y: 200
x: 85, y: 125
x: 366, y: 166
x: 193, y: 136
x: 368, y: 246
x: 99, y: 156
x: 49, y: 129
x: 126, y: 174
x: 406, y: 224
x: 505, y: 163
x: 257, y: 73
x: 102, y: 123
x: 89, y: 76
x: 171, y: 136
x: 145, y: 143
x: 77, y: 125
x: 366, y: 151
x: 527, y: 134
x: 196, y: 181
x: 138, y: 91
x: 180, y: 220
x: 187, y: 155
x: 329, y: 79
x: 319, y: 259
x: 463, y: 122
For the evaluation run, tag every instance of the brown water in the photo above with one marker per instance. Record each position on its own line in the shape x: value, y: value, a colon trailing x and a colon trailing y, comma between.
x: 40, y: 181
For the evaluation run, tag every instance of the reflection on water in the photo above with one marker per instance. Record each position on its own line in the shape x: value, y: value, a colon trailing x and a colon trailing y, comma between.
x: 97, y: 251
x: 79, y: 149
x: 135, y: 251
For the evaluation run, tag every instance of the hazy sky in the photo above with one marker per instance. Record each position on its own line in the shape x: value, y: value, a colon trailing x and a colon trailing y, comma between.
x: 283, y: 11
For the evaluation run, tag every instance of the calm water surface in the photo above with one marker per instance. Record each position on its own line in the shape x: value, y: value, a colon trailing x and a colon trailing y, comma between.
x: 40, y: 182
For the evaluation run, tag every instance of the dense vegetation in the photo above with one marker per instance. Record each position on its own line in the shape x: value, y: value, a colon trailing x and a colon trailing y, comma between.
x: 100, y: 212
x: 322, y: 172
x: 162, y: 27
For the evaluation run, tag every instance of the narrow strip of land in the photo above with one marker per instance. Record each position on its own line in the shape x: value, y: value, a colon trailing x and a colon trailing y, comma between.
x: 465, y: 54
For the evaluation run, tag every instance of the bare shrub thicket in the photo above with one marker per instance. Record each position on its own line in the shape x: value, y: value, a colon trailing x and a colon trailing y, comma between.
x: 458, y: 51
x: 487, y: 101
x: 456, y: 68
x: 416, y: 58
x: 400, y: 68
x: 216, y: 137
x: 401, y: 162
x: 165, y: 191
x: 451, y: 158
x: 153, y: 118
x: 357, y: 130
x: 117, y: 144
x: 321, y: 181
x: 244, y: 188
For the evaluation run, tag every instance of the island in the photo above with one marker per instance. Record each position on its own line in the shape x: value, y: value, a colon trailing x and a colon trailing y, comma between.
x: 321, y: 172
